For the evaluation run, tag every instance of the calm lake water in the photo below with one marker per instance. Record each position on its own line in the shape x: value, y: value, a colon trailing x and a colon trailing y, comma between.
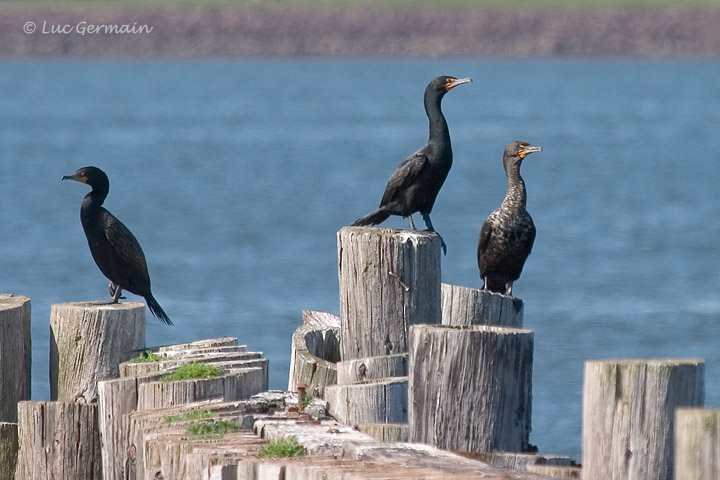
x: 236, y: 175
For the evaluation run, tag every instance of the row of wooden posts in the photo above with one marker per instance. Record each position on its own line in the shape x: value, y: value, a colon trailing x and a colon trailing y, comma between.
x: 451, y: 366
x: 409, y: 358
x: 93, y: 427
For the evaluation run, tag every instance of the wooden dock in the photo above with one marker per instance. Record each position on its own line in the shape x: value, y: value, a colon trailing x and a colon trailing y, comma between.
x: 414, y: 380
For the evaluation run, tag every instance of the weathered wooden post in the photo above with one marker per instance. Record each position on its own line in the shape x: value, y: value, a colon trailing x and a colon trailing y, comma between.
x: 8, y: 450
x: 628, y: 410
x: 14, y: 354
x: 116, y: 398
x: 697, y: 444
x: 389, y: 280
x: 58, y: 441
x: 470, y: 387
x: 88, y: 341
x: 473, y: 306
x: 315, y: 353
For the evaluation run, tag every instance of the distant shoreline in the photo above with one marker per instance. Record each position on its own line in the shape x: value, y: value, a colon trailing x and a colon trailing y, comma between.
x: 408, y: 33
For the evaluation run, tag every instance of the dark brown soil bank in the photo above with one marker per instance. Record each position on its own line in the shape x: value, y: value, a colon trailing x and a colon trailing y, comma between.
x: 672, y: 33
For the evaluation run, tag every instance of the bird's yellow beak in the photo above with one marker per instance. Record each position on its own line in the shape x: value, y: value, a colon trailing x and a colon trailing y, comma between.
x: 77, y: 178
x: 528, y: 150
x: 454, y: 82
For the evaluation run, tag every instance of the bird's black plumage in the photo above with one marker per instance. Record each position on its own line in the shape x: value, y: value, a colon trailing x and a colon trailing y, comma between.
x: 415, y: 184
x: 114, y: 248
x: 507, y: 235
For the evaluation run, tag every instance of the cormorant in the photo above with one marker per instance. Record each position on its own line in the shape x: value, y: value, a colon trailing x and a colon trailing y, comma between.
x: 114, y: 248
x: 507, y: 235
x: 416, y: 182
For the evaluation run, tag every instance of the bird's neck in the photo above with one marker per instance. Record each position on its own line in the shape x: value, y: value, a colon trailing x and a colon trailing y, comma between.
x: 516, y: 196
x: 438, y: 126
x: 92, y: 203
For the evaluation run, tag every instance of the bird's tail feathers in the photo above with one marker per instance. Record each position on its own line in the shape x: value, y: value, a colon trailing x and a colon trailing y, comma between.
x: 374, y: 218
x: 157, y: 310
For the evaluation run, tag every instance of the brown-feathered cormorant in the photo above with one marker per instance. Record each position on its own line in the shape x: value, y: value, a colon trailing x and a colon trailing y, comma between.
x: 507, y: 235
x: 116, y: 251
x: 415, y: 184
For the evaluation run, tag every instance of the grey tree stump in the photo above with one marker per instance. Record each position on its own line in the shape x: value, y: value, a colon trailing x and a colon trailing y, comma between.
x: 58, y: 441
x: 314, y: 353
x: 473, y: 306
x: 697, y: 444
x: 8, y: 450
x: 87, y: 343
x: 628, y: 409
x: 470, y: 387
x: 389, y: 280
x: 14, y: 354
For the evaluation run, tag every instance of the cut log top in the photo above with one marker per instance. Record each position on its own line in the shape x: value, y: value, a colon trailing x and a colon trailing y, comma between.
x: 212, y: 343
x: 320, y: 320
x: 413, y: 235
x: 99, y: 305
x: 474, y: 328
x: 9, y: 301
x: 651, y: 362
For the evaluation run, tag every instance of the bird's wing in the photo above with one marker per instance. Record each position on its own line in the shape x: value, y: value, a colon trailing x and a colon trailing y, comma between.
x: 405, y: 175
x: 484, y: 238
x: 124, y: 242
x: 530, y: 236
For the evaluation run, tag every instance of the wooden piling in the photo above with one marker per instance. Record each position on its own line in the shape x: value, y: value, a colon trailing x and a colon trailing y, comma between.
x: 470, y: 387
x: 697, y: 444
x: 389, y: 280
x: 116, y: 398
x: 8, y: 450
x: 88, y: 341
x: 244, y: 374
x: 628, y: 410
x: 314, y: 353
x: 58, y: 441
x: 473, y: 306
x: 15, y: 354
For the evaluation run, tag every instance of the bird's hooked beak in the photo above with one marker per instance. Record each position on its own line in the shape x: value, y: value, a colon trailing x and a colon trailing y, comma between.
x: 76, y: 177
x: 525, y: 151
x: 454, y: 82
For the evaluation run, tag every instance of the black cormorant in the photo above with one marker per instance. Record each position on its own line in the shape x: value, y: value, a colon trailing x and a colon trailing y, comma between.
x: 415, y: 184
x: 507, y: 235
x: 114, y: 248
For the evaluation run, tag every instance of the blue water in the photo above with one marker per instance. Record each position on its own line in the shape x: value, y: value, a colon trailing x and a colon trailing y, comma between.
x: 236, y: 175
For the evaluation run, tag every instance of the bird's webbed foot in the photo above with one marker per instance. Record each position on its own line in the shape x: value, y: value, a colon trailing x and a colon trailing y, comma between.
x: 430, y: 228
x: 115, y: 292
x: 428, y: 222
